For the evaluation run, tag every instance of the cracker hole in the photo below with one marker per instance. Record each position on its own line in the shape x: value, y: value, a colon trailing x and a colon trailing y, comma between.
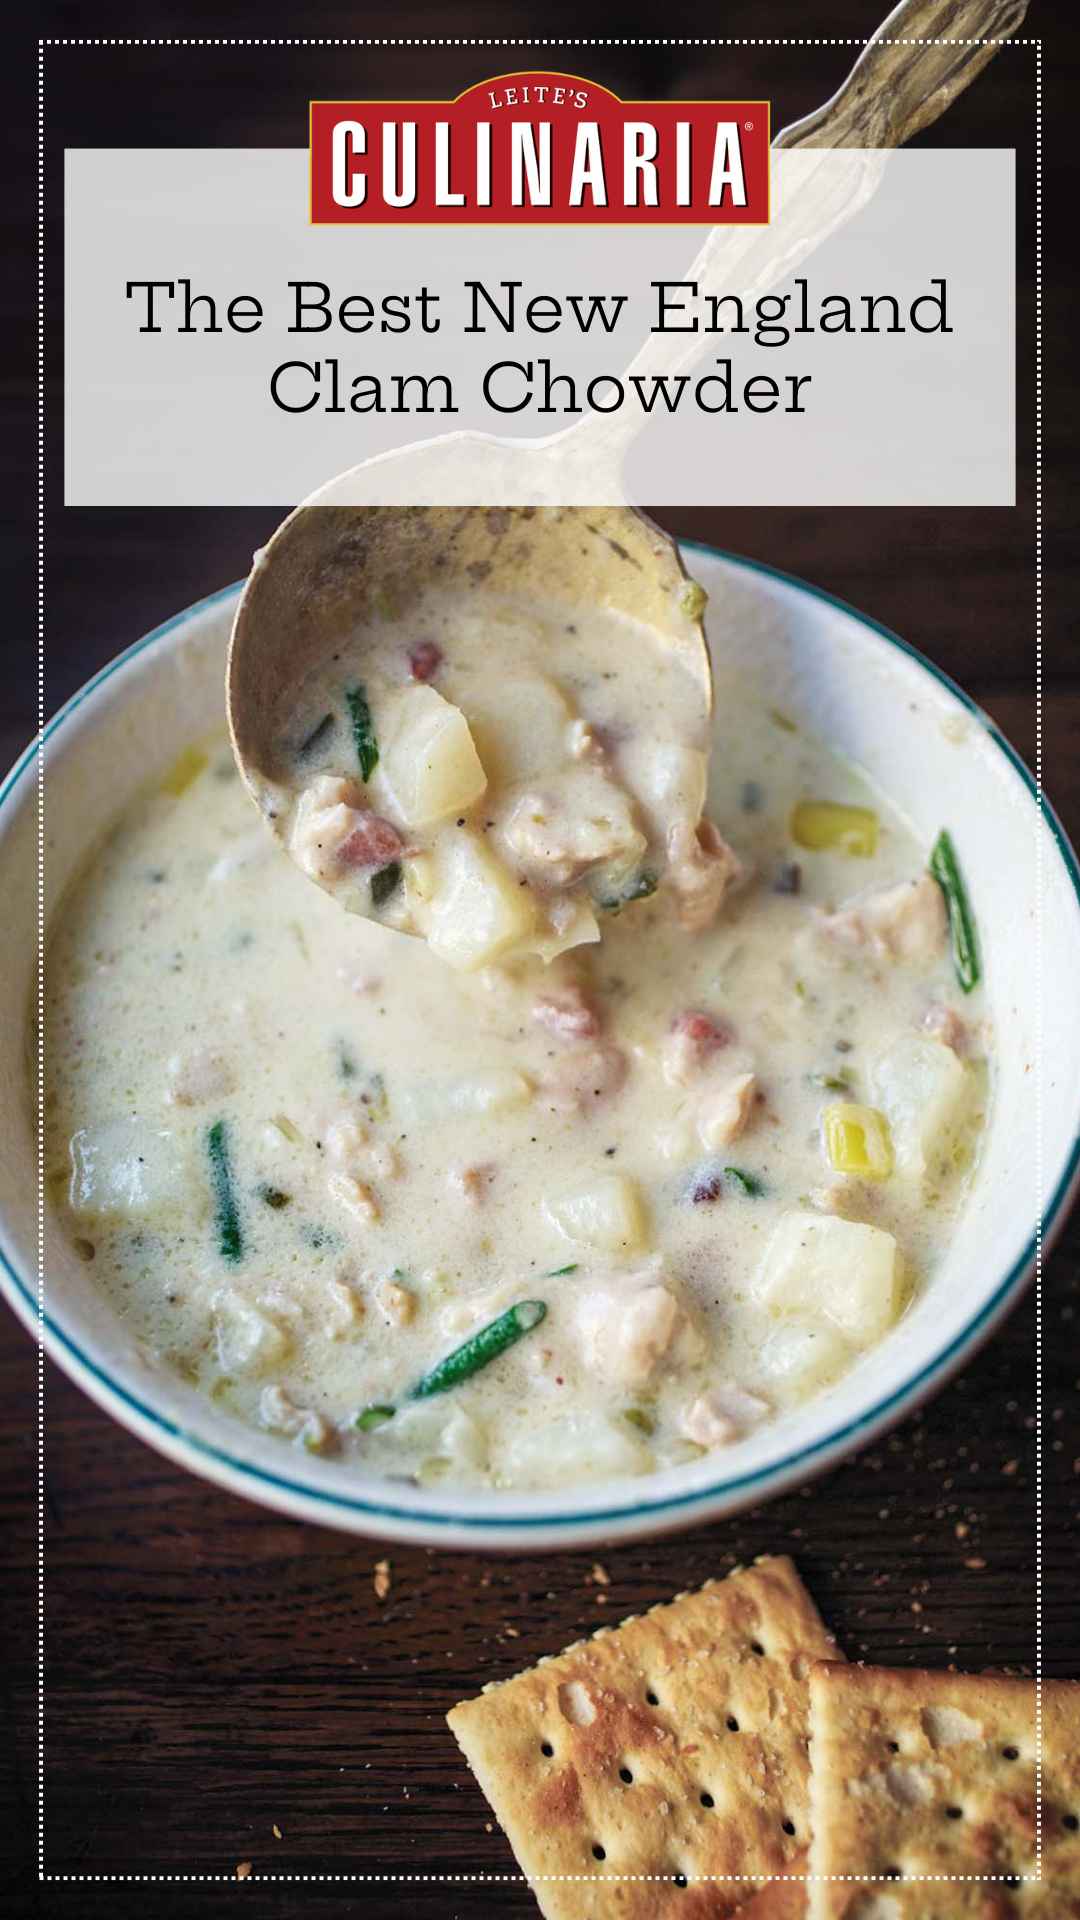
x: 652, y: 1699
x: 732, y: 1724
x: 707, y: 1800
x: 546, y: 1749
x: 894, y: 1873
x: 1011, y: 1880
x: 894, y: 1746
x: 599, y: 1852
x: 1071, y: 1822
x: 1010, y: 1753
x: 788, y: 1826
x: 681, y: 1880
x: 954, y: 1813
x: 626, y: 1776
x: 756, y: 1647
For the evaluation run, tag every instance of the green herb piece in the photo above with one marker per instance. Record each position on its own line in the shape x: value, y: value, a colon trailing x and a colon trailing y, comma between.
x: 838, y: 1082
x: 385, y: 882
x: 481, y: 1349
x: 556, y: 1273
x: 781, y: 720
x: 367, y: 747
x: 273, y: 1197
x: 965, y: 945
x: 226, y: 1216
x: 345, y: 1061
x: 638, y: 1418
x: 751, y: 796
x: 372, y: 1417
x: 747, y: 1182
x: 317, y: 737
x: 638, y: 888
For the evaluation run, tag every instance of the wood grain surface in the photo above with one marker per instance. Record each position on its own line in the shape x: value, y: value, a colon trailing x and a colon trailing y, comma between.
x: 223, y: 1686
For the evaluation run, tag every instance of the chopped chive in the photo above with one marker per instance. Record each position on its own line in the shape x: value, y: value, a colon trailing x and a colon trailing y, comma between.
x: 226, y: 1216
x: 345, y: 1061
x: 317, y: 736
x: 385, y: 882
x: 372, y: 1417
x: 965, y: 945
x: 751, y: 796
x: 481, y: 1348
x: 781, y: 720
x: 638, y: 1418
x: 367, y: 747
x: 747, y: 1182
x: 273, y: 1197
x: 838, y: 1082
x: 556, y: 1273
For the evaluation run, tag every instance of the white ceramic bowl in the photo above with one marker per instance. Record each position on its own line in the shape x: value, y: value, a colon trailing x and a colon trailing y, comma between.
x: 935, y: 754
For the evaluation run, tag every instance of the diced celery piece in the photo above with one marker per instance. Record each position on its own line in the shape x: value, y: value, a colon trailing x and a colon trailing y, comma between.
x: 826, y: 826
x: 857, y: 1140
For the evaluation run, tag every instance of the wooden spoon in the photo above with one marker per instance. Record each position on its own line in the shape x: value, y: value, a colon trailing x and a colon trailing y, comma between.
x: 338, y: 554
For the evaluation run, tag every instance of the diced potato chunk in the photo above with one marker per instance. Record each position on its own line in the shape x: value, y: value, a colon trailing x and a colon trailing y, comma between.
x: 129, y: 1167
x: 608, y: 1213
x: 576, y: 927
x: 520, y: 726
x: 857, y: 1140
x: 803, y: 1357
x: 926, y: 1093
x: 583, y: 1446
x: 250, y: 1340
x: 817, y: 1266
x: 477, y: 909
x: 427, y: 760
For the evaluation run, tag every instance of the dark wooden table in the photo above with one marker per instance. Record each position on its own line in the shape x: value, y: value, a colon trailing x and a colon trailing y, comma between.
x: 224, y: 1686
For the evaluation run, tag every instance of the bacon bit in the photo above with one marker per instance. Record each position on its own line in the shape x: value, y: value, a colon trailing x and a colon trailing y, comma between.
x: 706, y: 1033
x: 381, y: 1579
x: 707, y: 1187
x: 243, y: 1870
x: 372, y: 842
x: 471, y: 1182
x: 425, y: 660
x: 567, y: 1013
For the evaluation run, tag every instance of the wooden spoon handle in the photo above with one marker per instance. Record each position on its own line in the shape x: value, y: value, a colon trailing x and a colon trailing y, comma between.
x: 903, y: 80
x: 910, y: 70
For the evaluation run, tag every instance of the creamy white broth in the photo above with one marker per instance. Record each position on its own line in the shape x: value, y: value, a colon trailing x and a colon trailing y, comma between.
x: 412, y: 1150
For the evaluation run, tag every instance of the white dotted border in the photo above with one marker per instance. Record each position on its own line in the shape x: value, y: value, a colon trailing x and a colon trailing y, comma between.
x: 504, y: 1879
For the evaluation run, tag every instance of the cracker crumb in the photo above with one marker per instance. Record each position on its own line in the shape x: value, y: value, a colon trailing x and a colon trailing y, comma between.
x: 381, y: 1579
x: 1010, y: 1466
x: 511, y: 1632
x: 975, y: 1564
x: 276, y: 1831
x: 243, y: 1870
x: 599, y: 1575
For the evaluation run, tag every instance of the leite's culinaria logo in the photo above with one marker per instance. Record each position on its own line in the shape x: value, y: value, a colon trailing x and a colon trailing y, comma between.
x: 541, y: 148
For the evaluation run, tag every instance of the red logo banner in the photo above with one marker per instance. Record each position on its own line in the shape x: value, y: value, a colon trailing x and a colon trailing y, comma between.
x: 542, y: 149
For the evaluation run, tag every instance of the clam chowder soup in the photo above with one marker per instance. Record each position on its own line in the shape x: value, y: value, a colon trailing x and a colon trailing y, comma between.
x: 525, y: 1220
